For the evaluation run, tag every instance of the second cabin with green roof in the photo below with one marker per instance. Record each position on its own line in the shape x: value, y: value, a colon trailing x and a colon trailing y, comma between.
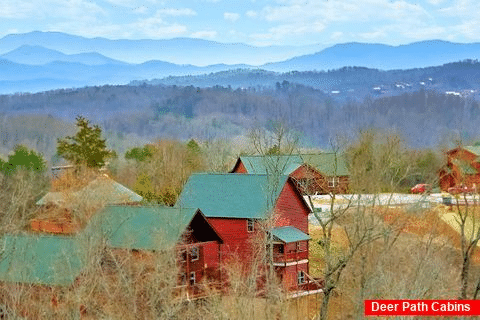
x: 320, y: 173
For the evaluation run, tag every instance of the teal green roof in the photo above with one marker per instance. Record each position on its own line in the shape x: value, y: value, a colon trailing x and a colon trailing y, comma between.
x: 102, y: 190
x: 142, y: 227
x: 231, y: 195
x: 464, y: 166
x: 473, y: 149
x: 289, y: 234
x: 283, y: 164
x: 329, y: 164
x: 40, y: 259
x: 323, y: 162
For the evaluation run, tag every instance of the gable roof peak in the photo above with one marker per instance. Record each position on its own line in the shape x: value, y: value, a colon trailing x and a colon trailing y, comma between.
x: 247, y: 196
x: 144, y: 227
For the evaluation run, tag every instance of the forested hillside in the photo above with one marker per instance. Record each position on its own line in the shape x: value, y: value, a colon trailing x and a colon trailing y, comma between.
x: 130, y: 114
x: 348, y: 83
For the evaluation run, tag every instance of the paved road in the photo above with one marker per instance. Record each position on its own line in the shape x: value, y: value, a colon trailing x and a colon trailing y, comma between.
x: 322, y: 203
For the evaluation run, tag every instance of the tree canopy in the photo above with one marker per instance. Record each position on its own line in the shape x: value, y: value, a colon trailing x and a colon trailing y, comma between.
x: 86, y: 147
x: 23, y: 158
x: 140, y: 153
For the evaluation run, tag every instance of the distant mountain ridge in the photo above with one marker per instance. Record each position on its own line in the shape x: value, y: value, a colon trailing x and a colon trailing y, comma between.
x: 67, y: 73
x: 38, y: 55
x: 52, y: 60
x: 177, y: 50
x: 347, y: 83
x: 379, y: 56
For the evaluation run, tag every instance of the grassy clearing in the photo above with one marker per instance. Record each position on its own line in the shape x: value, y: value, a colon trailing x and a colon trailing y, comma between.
x: 340, y: 243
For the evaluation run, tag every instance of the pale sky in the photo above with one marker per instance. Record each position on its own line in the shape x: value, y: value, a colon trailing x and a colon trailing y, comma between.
x: 255, y: 22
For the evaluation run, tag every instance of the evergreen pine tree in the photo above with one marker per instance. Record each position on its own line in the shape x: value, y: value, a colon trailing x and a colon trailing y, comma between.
x: 86, y: 147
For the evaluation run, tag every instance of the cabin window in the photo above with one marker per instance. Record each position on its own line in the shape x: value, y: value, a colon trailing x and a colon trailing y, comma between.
x: 333, y: 182
x: 250, y: 225
x: 194, y: 253
x: 301, y: 277
x: 193, y: 278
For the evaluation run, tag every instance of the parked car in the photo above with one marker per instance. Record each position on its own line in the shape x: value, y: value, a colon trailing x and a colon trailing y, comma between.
x: 421, y: 188
x: 462, y: 189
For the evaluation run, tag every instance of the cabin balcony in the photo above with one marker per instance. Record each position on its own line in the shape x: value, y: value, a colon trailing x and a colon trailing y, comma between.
x: 283, y: 257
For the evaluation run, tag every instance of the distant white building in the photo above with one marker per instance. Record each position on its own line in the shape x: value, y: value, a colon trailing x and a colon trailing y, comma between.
x: 453, y: 93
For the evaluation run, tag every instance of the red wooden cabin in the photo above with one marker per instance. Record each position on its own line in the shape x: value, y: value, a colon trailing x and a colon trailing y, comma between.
x: 239, y: 206
x: 153, y: 228
x: 462, y: 168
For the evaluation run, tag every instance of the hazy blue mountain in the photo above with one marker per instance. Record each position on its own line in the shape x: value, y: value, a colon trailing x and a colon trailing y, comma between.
x: 34, y: 55
x: 203, y: 52
x: 38, y: 55
x: 18, y: 77
x: 67, y: 60
x: 177, y: 50
x: 379, y: 56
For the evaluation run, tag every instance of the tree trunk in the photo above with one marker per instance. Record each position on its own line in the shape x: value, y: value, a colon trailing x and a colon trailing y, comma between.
x: 464, y: 277
x: 325, y: 301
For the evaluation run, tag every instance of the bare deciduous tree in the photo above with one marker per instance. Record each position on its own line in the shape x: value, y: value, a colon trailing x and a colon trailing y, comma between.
x: 370, y: 172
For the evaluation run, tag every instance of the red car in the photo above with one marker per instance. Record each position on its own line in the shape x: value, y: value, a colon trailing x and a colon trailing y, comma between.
x: 421, y: 188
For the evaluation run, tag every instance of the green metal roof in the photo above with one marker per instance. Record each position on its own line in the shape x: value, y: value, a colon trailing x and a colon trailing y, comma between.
x: 329, y: 164
x: 103, y: 190
x: 40, y: 259
x: 282, y: 164
x: 473, y: 149
x: 289, y: 234
x: 323, y: 162
x: 232, y: 195
x: 142, y: 227
x: 464, y: 166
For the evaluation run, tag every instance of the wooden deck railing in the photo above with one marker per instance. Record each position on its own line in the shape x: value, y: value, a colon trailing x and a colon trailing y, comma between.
x: 290, y: 256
